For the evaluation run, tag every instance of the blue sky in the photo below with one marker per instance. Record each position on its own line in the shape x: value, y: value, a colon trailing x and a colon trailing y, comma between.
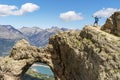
x: 61, y: 13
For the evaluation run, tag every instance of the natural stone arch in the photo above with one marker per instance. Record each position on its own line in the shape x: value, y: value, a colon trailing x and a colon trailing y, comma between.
x: 21, y: 58
x: 71, y: 55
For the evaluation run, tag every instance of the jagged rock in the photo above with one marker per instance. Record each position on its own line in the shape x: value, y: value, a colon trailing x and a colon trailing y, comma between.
x: 112, y: 24
x: 21, y: 58
x: 89, y: 54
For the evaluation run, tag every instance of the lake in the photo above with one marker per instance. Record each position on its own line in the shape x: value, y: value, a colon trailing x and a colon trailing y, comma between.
x: 41, y: 68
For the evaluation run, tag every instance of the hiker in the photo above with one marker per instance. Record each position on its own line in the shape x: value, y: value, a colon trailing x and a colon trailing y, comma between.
x: 96, y: 21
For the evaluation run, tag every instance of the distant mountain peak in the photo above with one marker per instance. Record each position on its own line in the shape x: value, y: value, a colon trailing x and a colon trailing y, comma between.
x: 9, y: 32
x: 28, y: 31
x: 40, y: 37
x: 35, y: 35
x: 54, y: 27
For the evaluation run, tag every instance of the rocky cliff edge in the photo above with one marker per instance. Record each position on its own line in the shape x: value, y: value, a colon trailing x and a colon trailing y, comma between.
x: 89, y: 54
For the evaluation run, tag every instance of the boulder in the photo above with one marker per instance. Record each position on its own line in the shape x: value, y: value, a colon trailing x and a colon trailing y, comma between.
x: 112, y: 24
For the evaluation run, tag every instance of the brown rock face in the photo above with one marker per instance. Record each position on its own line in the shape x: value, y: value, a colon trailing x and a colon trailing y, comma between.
x: 90, y: 54
x: 21, y: 58
x: 112, y: 24
x: 87, y: 55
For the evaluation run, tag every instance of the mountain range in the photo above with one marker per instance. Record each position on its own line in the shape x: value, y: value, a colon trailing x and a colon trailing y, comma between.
x: 34, y: 35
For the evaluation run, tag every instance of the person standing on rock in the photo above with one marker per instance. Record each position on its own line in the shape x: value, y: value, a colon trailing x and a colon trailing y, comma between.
x: 96, y: 20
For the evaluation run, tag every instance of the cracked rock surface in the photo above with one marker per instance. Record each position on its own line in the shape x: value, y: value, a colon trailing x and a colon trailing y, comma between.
x: 89, y: 54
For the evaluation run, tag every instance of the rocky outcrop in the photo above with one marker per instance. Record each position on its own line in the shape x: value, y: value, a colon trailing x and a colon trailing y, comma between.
x: 21, y: 58
x: 89, y: 54
x: 112, y: 24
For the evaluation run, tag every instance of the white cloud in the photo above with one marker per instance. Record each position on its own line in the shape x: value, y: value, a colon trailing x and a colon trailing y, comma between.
x: 6, y: 10
x: 70, y: 16
x: 105, y: 12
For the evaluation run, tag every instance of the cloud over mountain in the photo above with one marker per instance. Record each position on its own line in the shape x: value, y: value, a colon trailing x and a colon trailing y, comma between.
x: 6, y: 10
x: 105, y: 12
x: 70, y: 16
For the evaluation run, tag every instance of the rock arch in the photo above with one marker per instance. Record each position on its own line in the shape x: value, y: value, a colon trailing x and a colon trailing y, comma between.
x: 22, y: 56
x: 91, y: 54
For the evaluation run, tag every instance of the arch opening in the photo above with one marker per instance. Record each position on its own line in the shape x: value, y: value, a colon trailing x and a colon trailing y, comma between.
x: 39, y: 71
